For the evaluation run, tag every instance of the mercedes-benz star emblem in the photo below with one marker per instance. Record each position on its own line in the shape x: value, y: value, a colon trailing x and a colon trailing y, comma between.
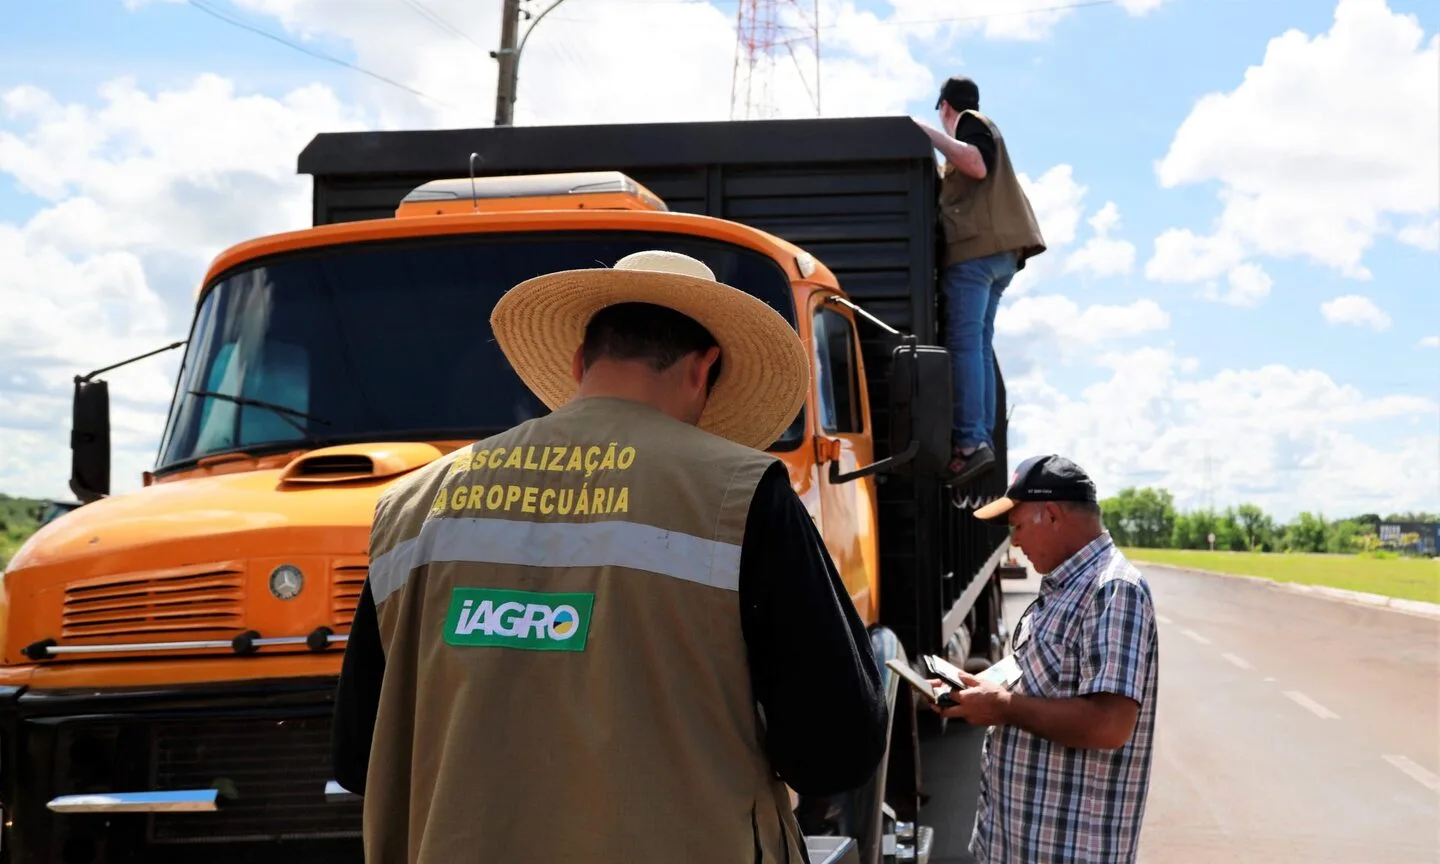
x: 286, y: 581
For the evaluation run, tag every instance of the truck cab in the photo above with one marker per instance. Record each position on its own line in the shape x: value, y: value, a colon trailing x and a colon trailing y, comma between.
x: 168, y: 655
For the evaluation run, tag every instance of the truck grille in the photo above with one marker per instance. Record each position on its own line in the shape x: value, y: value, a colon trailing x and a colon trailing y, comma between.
x: 275, y: 770
x: 203, y: 601
x: 346, y: 581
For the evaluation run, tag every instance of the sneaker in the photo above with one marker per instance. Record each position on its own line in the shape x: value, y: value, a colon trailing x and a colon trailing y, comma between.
x: 962, y: 469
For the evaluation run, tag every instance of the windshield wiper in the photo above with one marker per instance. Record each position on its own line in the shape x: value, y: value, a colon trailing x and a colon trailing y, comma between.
x: 281, y: 411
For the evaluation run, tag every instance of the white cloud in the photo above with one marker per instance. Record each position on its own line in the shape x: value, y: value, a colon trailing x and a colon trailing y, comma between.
x: 142, y: 191
x: 1142, y: 7
x: 1058, y: 318
x: 999, y: 20
x: 1058, y: 202
x: 1249, y: 284
x: 1422, y: 235
x: 1183, y: 256
x: 186, y: 171
x: 1295, y: 182
x: 1430, y: 342
x: 1279, y: 437
x: 1103, y: 255
x: 1355, y: 309
x: 1038, y: 332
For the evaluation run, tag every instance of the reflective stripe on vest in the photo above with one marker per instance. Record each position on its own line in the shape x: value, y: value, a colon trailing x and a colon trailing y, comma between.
x: 558, y: 544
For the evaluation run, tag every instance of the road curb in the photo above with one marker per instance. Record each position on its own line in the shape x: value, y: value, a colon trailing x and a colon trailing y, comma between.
x: 1360, y: 598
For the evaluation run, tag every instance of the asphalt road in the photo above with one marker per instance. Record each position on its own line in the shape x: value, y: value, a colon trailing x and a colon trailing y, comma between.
x: 1289, y: 728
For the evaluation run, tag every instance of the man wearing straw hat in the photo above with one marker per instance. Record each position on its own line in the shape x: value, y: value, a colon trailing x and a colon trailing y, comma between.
x: 611, y: 633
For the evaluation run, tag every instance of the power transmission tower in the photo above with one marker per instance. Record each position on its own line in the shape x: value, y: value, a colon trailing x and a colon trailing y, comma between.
x: 761, y: 37
x: 508, y: 58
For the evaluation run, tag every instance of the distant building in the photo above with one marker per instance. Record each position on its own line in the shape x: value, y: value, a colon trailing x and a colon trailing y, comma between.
x: 1393, y: 535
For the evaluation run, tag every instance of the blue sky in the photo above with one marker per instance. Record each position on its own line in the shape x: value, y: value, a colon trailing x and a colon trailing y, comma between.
x: 1306, y: 137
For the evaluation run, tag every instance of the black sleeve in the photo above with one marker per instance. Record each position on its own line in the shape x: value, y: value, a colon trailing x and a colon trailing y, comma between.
x: 974, y: 132
x: 811, y: 664
x: 357, y: 696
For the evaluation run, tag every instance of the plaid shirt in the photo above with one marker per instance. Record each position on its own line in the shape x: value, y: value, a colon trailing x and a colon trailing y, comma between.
x: 1091, y: 630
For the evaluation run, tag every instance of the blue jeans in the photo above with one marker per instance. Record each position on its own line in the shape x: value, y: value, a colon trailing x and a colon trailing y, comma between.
x: 972, y: 294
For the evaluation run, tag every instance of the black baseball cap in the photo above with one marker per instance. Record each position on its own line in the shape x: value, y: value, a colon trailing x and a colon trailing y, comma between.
x: 960, y: 92
x: 1042, y: 478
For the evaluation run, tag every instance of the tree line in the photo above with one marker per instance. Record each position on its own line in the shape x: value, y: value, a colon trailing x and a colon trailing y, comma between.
x: 1147, y: 518
x: 19, y: 517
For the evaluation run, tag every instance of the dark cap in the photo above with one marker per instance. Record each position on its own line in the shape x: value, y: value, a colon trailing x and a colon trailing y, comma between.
x: 960, y: 92
x: 1042, y: 478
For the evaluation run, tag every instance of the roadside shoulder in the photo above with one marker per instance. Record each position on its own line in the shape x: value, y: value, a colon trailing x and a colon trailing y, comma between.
x: 1397, y: 604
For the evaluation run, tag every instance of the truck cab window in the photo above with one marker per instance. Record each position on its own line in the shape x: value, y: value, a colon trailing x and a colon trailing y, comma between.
x: 280, y: 375
x: 389, y: 341
x: 835, y: 366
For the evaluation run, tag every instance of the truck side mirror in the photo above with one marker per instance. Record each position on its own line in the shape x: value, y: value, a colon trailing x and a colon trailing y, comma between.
x: 920, y: 412
x: 90, y: 440
x: 921, y: 407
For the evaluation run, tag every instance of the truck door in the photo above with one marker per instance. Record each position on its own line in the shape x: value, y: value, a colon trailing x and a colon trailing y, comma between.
x: 843, y: 436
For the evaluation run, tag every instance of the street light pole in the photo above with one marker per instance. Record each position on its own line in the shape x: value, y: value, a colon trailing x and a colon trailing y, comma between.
x: 507, y: 55
x: 509, y: 59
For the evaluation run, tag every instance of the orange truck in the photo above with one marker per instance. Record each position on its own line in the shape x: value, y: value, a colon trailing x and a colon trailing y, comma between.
x: 168, y: 655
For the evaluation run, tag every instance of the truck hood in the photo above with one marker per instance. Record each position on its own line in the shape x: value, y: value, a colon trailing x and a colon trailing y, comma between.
x: 325, y: 488
x: 198, y: 559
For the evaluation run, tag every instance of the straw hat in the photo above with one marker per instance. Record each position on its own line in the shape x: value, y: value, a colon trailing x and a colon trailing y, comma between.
x: 764, y: 369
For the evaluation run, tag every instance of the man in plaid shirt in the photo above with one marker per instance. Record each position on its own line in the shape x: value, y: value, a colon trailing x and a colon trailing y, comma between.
x: 1067, y: 757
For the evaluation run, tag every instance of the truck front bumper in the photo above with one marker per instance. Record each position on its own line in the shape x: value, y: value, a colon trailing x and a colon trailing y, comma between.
x: 227, y: 773
x: 224, y: 773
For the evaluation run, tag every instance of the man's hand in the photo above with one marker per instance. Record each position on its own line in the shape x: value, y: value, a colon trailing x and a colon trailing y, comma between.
x: 936, y: 136
x: 963, y: 156
x: 981, y: 702
x: 1101, y: 721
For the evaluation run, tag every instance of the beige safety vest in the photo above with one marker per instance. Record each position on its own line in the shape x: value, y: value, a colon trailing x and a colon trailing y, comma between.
x: 565, y: 677
x: 983, y: 217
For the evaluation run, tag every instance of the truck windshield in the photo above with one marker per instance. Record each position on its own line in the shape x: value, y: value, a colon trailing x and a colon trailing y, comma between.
x: 390, y: 341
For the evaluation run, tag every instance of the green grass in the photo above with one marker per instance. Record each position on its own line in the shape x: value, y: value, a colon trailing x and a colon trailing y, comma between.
x: 1407, y: 578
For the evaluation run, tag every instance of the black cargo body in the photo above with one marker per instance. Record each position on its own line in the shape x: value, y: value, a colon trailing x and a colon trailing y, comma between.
x: 859, y: 194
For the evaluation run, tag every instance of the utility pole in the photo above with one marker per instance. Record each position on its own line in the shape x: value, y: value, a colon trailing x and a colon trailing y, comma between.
x: 509, y: 60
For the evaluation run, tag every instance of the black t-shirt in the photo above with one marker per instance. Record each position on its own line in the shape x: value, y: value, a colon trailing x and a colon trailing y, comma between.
x: 811, y: 665
x: 973, y: 131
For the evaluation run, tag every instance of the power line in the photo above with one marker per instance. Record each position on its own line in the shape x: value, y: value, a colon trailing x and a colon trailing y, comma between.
x: 1009, y: 13
x: 1033, y: 10
x: 316, y: 54
x: 434, y: 18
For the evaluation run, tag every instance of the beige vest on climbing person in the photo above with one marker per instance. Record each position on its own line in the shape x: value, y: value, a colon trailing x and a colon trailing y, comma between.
x: 983, y: 217
x: 565, y: 678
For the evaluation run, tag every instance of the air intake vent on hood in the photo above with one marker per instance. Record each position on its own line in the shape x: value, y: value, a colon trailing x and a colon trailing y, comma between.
x: 359, y: 462
x: 330, y: 465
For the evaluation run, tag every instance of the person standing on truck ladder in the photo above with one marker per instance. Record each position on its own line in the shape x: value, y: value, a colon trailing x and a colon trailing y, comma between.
x: 611, y: 633
x: 989, y: 232
x: 1067, y: 758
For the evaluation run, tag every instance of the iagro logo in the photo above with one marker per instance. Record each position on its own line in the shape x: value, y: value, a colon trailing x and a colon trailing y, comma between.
x: 490, y: 617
